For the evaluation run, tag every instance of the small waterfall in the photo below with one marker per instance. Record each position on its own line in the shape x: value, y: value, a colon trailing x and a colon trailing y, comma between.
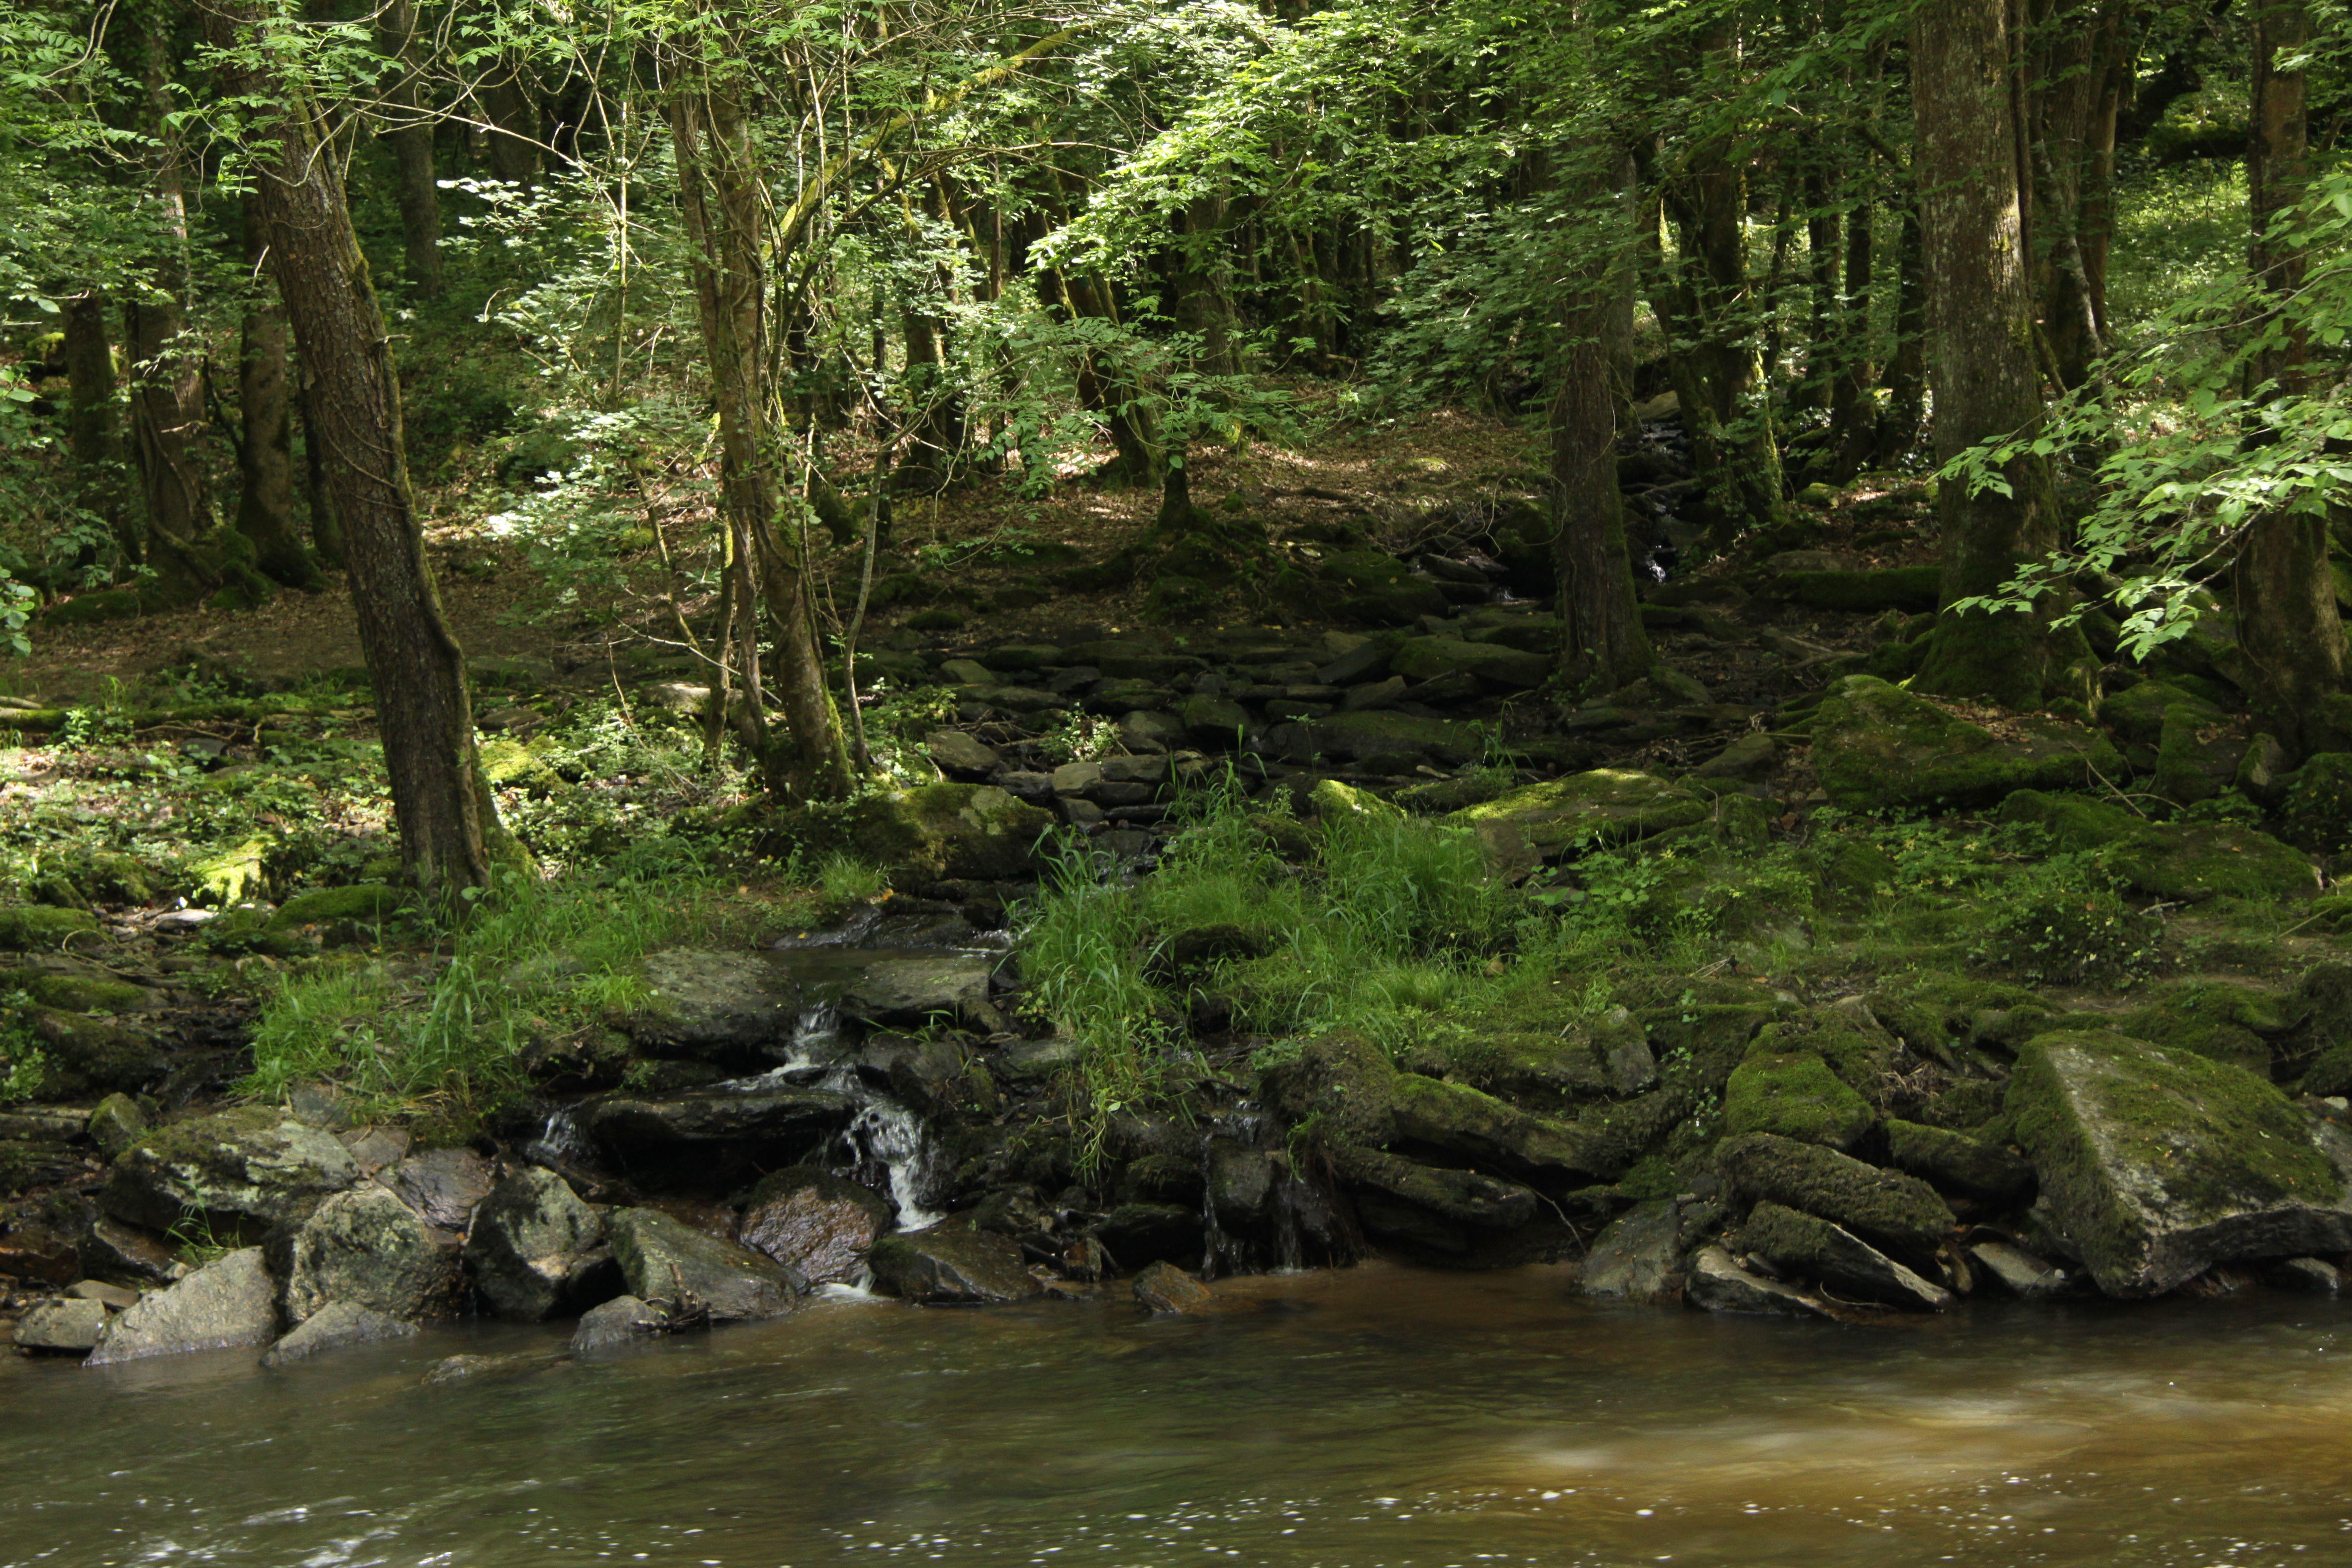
x: 560, y: 1142
x: 891, y: 1136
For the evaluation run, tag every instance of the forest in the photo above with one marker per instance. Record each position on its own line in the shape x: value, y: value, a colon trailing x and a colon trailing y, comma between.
x: 668, y: 655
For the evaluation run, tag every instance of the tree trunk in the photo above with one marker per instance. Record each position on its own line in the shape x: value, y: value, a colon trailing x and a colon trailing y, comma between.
x: 440, y: 802
x: 1907, y: 370
x: 513, y: 113
x: 719, y: 193
x: 2078, y: 78
x: 167, y: 407
x: 326, y: 533
x: 2288, y: 629
x: 411, y: 136
x: 93, y: 430
x: 1980, y: 323
x: 264, y: 458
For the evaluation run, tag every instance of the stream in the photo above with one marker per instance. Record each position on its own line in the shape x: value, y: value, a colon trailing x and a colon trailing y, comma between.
x: 1370, y: 1418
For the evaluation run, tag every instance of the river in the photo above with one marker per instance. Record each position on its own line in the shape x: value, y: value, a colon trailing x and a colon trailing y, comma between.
x: 1373, y: 1417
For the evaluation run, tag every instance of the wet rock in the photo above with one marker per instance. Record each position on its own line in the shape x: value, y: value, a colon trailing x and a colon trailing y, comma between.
x: 242, y: 1171
x: 1801, y: 1244
x: 922, y: 990
x: 367, y: 1248
x: 106, y: 1248
x: 1957, y: 1164
x: 2017, y: 1271
x: 2314, y: 1274
x: 536, y: 1249
x: 2186, y: 862
x: 711, y: 1132
x: 1164, y: 1287
x: 692, y: 1273
x: 1240, y: 1179
x: 1430, y: 1206
x: 335, y: 1326
x: 1529, y: 825
x: 949, y: 1266
x: 2156, y: 1163
x: 1639, y: 1257
x: 32, y: 1249
x: 61, y: 1323
x: 720, y: 1006
x: 116, y: 1124
x: 952, y: 830
x: 815, y: 1224
x: 230, y: 1301
x: 1877, y: 746
x: 1795, y: 1095
x: 1887, y: 1208
x: 1749, y: 757
x: 622, y: 1321
x: 442, y: 1186
x: 1720, y: 1284
x: 1137, y: 1234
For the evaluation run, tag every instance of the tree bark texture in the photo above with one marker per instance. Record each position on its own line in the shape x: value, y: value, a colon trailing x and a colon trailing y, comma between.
x: 411, y: 135
x: 2079, y: 70
x: 1982, y: 329
x: 93, y: 428
x: 167, y: 404
x: 440, y: 802
x: 265, y: 456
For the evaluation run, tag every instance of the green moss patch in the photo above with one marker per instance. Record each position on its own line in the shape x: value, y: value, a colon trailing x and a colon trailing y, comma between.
x: 1877, y: 746
x: 33, y: 928
x: 1796, y: 1096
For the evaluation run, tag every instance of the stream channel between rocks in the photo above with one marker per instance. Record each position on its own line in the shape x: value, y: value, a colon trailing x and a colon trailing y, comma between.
x: 1369, y: 1417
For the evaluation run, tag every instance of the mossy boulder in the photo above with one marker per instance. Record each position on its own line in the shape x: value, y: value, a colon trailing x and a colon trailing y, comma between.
x: 2138, y: 714
x: 2156, y: 1163
x: 508, y: 762
x: 1428, y: 1207
x: 245, y: 930
x: 1901, y: 1213
x: 1333, y: 801
x: 243, y: 1172
x: 1908, y: 588
x: 1606, y: 806
x: 1362, y: 737
x: 1813, y: 1249
x: 230, y: 875
x: 367, y: 901
x: 2185, y: 862
x: 1877, y: 746
x: 1432, y: 659
x: 952, y: 830
x: 1851, y: 871
x: 1795, y: 1095
x: 88, y: 993
x: 2213, y: 1018
x: 1985, y: 1173
x: 1376, y: 589
x: 33, y: 928
x: 2316, y: 814
x: 95, y: 1056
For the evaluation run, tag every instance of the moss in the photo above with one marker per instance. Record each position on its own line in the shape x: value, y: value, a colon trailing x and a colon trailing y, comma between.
x: 26, y: 929
x: 1851, y: 870
x: 1939, y: 1012
x: 2186, y: 861
x: 2317, y: 813
x: 1606, y: 805
x: 82, y: 609
x: 1955, y: 1163
x: 1877, y: 746
x: 1887, y: 1208
x: 1330, y: 798
x: 1796, y: 1096
x: 2213, y: 1018
x: 506, y: 762
x: 91, y: 1056
x: 1910, y: 588
x: 952, y: 830
x: 233, y: 875
x: 322, y: 906
x: 1440, y: 796
x: 245, y: 930
x: 86, y: 994
x: 2138, y: 714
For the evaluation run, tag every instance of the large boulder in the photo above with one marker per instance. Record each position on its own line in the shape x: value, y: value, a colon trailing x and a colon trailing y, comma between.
x: 733, y: 1008
x: 1877, y: 746
x: 958, y: 830
x: 924, y: 988
x: 622, y: 1321
x: 536, y: 1250
x: 241, y: 1173
x: 2184, y: 862
x: 368, y: 1249
x: 692, y: 1273
x: 818, y: 1225
x: 1608, y: 806
x: 1432, y: 659
x: 1887, y: 1208
x: 2158, y: 1163
x: 230, y: 1301
x: 1796, y: 1095
x: 1639, y: 1258
x: 948, y: 1265
x: 1954, y: 1162
x: 1434, y: 1207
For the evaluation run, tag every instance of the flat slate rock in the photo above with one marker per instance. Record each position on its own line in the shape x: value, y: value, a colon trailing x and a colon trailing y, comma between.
x: 1801, y: 1244
x: 722, y: 1006
x: 1719, y: 1283
x: 920, y: 988
x: 229, y: 1302
x: 335, y: 1326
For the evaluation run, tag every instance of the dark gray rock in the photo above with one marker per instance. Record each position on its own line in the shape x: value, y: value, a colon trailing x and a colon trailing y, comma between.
x: 1135, y: 1234
x: 442, y: 1186
x: 959, y: 753
x: 622, y: 1321
x: 1957, y: 1164
x: 367, y: 1248
x: 334, y: 1327
x: 61, y: 1323
x: 1802, y: 1244
x: 770, y: 1124
x: 1240, y: 1179
x: 1639, y: 1257
x: 950, y: 1266
x: 1887, y: 1208
x: 230, y: 1301
x: 246, y: 1171
x: 735, y: 1007
x: 1432, y: 1207
x: 1720, y: 1284
x: 536, y: 1249
x: 814, y: 1222
x: 924, y: 988
x: 668, y: 1261
x: 2314, y: 1274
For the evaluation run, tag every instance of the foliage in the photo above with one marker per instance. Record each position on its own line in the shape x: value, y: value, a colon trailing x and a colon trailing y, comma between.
x: 2066, y: 923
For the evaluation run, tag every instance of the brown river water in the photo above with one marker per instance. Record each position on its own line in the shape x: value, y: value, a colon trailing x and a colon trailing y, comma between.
x: 1374, y: 1417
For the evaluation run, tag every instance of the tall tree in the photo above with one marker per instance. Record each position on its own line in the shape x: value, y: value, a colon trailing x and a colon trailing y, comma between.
x: 410, y: 131
x: 265, y: 452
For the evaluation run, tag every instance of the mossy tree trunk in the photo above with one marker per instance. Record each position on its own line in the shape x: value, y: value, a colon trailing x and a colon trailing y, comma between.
x: 448, y: 825
x: 265, y: 456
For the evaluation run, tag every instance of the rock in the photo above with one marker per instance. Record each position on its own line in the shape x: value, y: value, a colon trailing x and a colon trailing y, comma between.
x: 733, y: 1008
x: 920, y: 991
x: 2315, y: 812
x: 229, y: 1302
x: 96, y: 1056
x: 1529, y: 825
x: 364, y: 901
x: 1430, y: 658
x: 1377, y: 589
x: 1137, y: 1234
x: 61, y: 1323
x: 1877, y: 746
x: 1164, y: 1287
x: 1957, y: 1164
x: 966, y: 672
x: 952, y: 830
x: 1147, y: 730
x: 108, y: 1250
x: 1801, y: 1244
x: 1912, y: 589
x: 1360, y: 736
x: 35, y: 928
x: 459, y: 1368
x: 367, y: 1248
x: 2017, y: 1271
x: 1720, y: 1284
x: 815, y: 1224
x: 691, y: 1273
x: 2316, y: 1275
x: 1240, y: 1180
x: 949, y: 1266
x: 1796, y: 1096
x: 2186, y: 862
x: 375, y: 1149
x: 242, y: 1171
x: 1076, y: 778
x: 768, y: 1124
x: 1429, y: 1205
x: 536, y: 1249
x: 1898, y: 1213
x: 1639, y: 1257
x: 1750, y: 756
x: 1214, y: 720
x: 959, y: 753
x: 442, y: 1186
x: 334, y: 1327
x: 118, y: 1297
x: 623, y: 1320
x: 1331, y: 800
x: 2156, y: 1163
x: 116, y: 1124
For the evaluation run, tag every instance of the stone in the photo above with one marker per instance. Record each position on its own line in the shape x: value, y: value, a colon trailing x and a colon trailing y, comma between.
x: 367, y: 1248
x: 2314, y: 1274
x: 1429, y: 1205
x: 335, y: 1326
x: 116, y: 1124
x: 1606, y: 806
x: 1165, y: 1288
x: 2316, y: 810
x: 1430, y: 658
x: 918, y: 991
x: 765, y: 1124
x: 692, y: 1273
x: 1803, y: 1244
x: 1720, y: 1284
x: 535, y: 1250
x: 61, y: 1323
x: 118, y: 1296
x: 364, y: 901
x: 952, y: 830
x: 1214, y: 720
x: 1957, y: 1164
x: 1377, y: 736
x: 2017, y: 1271
x: 2156, y: 1163
x: 1639, y: 1257
x: 1148, y: 730
x: 442, y: 1186
x: 622, y: 1321
x: 2137, y: 713
x: 459, y: 1368
x: 966, y: 672
x: 96, y: 1056
x: 1877, y: 746
x: 1330, y: 800
x: 229, y: 1302
x: 948, y: 1265
x: 1797, y: 1096
x: 959, y: 753
x: 373, y: 1148
x: 732, y: 1007
x: 1076, y: 778
x: 1751, y: 756
x: 244, y: 1171
x: 1240, y: 1180
x: 36, y: 927
x: 1912, y: 589
x: 112, y: 1250
x: 818, y: 1225
x: 2185, y: 862
x: 1900, y: 1213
